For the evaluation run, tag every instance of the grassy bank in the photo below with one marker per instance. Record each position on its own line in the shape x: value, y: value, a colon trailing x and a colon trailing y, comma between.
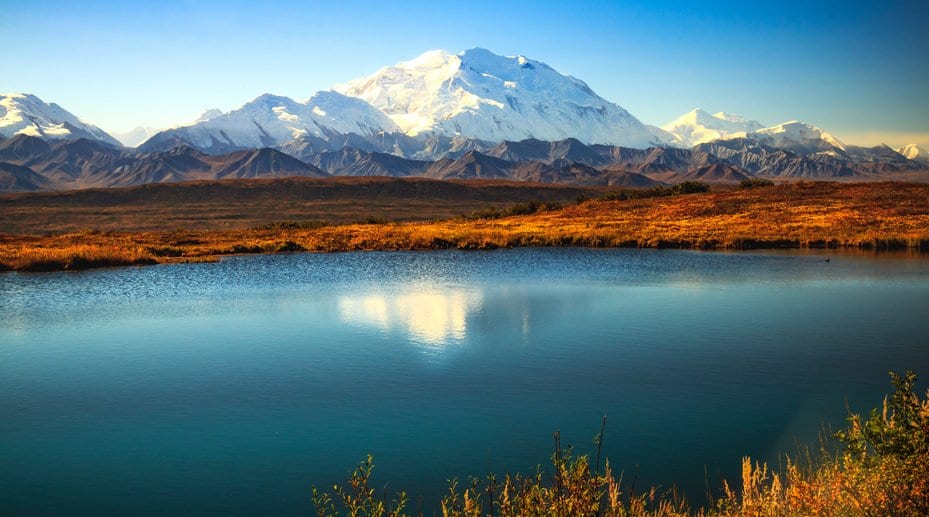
x: 878, y: 467
x: 807, y: 214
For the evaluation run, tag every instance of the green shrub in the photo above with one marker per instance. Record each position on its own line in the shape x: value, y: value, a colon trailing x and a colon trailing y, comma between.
x: 687, y: 187
x: 892, y: 447
x: 690, y: 187
x: 358, y: 498
x: 524, y: 208
x: 755, y: 183
x: 528, y: 208
x: 372, y: 220
x: 882, y: 471
x: 487, y: 213
x: 293, y: 225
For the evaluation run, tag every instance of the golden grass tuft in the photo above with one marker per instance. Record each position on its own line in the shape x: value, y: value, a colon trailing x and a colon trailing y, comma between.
x: 880, y: 470
x: 74, y: 255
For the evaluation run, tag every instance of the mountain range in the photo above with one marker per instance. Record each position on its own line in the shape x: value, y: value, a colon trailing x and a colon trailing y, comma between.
x: 29, y: 163
x: 440, y: 115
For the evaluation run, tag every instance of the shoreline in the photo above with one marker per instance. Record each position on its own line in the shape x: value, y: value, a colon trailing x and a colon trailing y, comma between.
x: 84, y: 263
x: 878, y: 216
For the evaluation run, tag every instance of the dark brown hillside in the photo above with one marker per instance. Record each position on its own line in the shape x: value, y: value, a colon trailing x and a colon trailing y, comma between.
x: 264, y: 163
x: 18, y: 178
x: 472, y: 165
x: 240, y: 204
x: 713, y: 173
x: 354, y: 162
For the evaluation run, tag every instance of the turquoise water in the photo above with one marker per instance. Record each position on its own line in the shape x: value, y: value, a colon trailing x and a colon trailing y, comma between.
x: 234, y: 387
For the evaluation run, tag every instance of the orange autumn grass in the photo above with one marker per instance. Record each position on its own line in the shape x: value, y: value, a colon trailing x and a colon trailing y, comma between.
x: 886, y: 215
x: 878, y: 468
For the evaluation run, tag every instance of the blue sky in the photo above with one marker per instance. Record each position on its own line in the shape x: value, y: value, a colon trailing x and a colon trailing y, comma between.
x: 859, y: 70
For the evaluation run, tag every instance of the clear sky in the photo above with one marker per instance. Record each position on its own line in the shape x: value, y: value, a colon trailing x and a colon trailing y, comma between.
x: 857, y: 69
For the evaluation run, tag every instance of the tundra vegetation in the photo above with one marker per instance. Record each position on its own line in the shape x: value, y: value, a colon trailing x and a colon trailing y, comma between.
x: 877, y: 465
x: 879, y: 216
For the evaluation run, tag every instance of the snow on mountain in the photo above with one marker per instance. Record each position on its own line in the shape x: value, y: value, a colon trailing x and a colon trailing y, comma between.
x: 478, y: 94
x: 699, y: 126
x: 915, y: 152
x: 26, y: 114
x: 271, y: 120
x: 795, y: 131
x: 208, y: 114
x: 795, y: 136
x: 344, y: 114
x: 135, y: 136
x: 737, y: 119
x: 265, y: 121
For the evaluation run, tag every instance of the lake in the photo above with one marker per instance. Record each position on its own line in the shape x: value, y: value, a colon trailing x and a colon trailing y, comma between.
x: 234, y: 387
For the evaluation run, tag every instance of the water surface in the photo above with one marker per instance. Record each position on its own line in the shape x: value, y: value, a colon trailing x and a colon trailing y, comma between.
x: 234, y: 387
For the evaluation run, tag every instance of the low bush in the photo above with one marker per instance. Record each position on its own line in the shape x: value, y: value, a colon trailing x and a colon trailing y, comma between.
x: 372, y: 220
x: 755, y: 183
x: 289, y: 247
x: 293, y: 225
x: 881, y: 469
x: 690, y: 187
x: 687, y: 187
x: 528, y: 208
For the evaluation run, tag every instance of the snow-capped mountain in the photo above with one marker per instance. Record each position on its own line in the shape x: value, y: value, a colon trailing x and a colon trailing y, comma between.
x: 478, y: 94
x: 207, y: 115
x: 699, y: 126
x: 798, y: 137
x: 271, y: 120
x: 26, y: 114
x: 135, y: 136
x: 915, y: 152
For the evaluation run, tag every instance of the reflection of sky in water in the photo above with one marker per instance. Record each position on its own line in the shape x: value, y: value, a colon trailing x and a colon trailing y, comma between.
x: 435, y: 319
x: 233, y: 387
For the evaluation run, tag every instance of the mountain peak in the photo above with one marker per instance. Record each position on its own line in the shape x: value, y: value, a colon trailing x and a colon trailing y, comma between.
x: 270, y: 120
x: 136, y: 136
x: 487, y: 61
x: 731, y: 117
x: 270, y: 99
x: 475, y: 52
x: 208, y: 114
x: 18, y: 95
x: 800, y: 132
x: 794, y: 136
x: 24, y: 113
x: 429, y: 58
x: 485, y: 96
x: 699, y: 126
x: 915, y: 152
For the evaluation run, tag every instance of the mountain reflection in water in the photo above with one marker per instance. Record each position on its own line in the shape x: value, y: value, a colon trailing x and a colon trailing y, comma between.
x: 435, y: 319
